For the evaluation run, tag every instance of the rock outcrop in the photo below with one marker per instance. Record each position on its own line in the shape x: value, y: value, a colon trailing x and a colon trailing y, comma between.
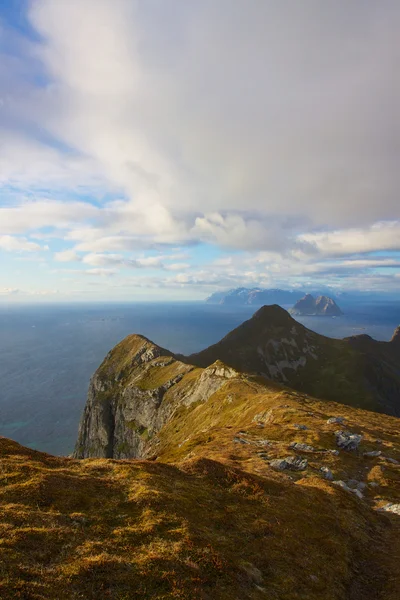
x: 140, y: 386
x: 134, y: 393
x: 322, y: 306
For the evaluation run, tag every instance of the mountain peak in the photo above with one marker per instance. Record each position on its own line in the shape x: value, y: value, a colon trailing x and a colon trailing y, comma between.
x: 272, y: 313
x: 309, y: 306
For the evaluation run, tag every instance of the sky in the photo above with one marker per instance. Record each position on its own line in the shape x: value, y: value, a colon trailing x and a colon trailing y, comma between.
x: 154, y: 150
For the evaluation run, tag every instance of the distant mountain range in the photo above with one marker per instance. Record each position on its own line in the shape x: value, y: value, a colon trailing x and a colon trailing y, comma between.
x: 255, y: 296
x: 322, y: 306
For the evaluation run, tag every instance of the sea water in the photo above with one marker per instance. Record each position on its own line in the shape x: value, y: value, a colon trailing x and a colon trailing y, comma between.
x: 49, y: 352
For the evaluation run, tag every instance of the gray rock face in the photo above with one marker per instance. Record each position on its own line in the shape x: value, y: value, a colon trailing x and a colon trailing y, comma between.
x: 344, y: 486
x: 279, y: 464
x: 301, y: 447
x: 391, y: 460
x: 347, y: 440
x: 372, y: 454
x: 326, y: 473
x: 333, y: 420
x: 123, y: 414
x: 309, y: 306
x: 293, y: 463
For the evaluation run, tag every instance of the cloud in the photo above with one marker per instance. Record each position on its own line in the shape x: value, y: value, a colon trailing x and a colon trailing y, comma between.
x: 67, y: 256
x: 379, y: 236
x: 10, y: 243
x: 263, y: 126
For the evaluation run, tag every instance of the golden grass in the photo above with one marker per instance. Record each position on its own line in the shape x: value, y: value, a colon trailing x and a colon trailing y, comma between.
x: 207, y: 518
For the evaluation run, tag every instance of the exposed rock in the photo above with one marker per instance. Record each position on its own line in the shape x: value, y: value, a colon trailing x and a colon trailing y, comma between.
x: 347, y: 440
x: 338, y: 420
x: 300, y: 427
x: 134, y: 393
x: 390, y: 507
x: 344, y: 486
x: 240, y: 440
x: 355, y: 484
x: 293, y: 463
x: 372, y: 454
x: 301, y: 447
x: 391, y: 460
x: 322, y: 306
x: 326, y: 473
x: 279, y: 464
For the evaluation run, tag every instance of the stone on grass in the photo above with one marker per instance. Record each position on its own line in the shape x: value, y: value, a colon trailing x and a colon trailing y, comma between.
x: 391, y: 460
x: 300, y: 427
x: 326, y: 473
x: 344, y: 486
x: 301, y: 447
x: 347, y: 440
x: 293, y: 463
x: 332, y: 420
x: 372, y: 454
x: 279, y: 464
x: 239, y: 440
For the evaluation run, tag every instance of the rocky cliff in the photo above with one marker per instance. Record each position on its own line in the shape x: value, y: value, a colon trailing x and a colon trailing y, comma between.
x: 254, y: 491
x: 140, y: 387
x: 322, y: 306
x: 134, y: 393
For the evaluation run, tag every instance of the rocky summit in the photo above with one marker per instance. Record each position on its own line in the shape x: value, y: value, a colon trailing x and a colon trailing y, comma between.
x: 198, y: 478
x: 320, y: 306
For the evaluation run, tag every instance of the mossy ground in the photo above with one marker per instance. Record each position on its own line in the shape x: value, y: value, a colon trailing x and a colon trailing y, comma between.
x: 209, y: 519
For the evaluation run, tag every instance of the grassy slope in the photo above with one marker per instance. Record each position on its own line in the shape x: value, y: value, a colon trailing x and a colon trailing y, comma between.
x: 209, y: 519
x: 338, y: 372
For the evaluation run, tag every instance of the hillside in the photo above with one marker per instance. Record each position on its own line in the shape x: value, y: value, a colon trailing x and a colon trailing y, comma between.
x: 211, y: 516
x: 358, y: 371
x: 209, y: 483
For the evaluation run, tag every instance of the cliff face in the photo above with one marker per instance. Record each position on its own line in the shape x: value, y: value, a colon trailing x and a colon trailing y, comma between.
x: 140, y: 387
x: 322, y: 306
x: 134, y: 393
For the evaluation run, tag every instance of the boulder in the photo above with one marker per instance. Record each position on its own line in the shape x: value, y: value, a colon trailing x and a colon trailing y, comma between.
x: 333, y: 420
x: 344, y: 486
x: 293, y: 463
x: 372, y: 454
x: 347, y: 440
x: 326, y: 473
x: 301, y: 447
x: 279, y: 464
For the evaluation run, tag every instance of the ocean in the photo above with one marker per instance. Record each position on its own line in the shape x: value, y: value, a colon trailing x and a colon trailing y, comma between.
x: 49, y: 352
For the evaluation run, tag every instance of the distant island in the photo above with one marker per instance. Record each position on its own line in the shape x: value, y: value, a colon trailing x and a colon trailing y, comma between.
x: 255, y: 296
x: 321, y: 306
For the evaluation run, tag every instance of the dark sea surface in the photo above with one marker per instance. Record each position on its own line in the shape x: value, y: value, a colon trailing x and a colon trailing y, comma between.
x: 48, y: 353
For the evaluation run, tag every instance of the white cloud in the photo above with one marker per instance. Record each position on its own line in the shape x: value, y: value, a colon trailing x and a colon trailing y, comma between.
x: 250, y: 126
x: 10, y: 243
x: 67, y: 256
